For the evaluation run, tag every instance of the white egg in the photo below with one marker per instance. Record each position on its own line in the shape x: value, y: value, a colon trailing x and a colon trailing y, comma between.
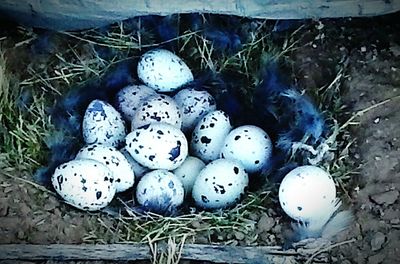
x: 209, y: 134
x: 307, y: 193
x: 188, y: 172
x: 113, y: 159
x: 130, y: 97
x: 158, y: 146
x: 157, y: 108
x: 138, y: 169
x: 163, y: 71
x: 103, y: 124
x: 160, y: 191
x: 194, y: 104
x: 84, y: 184
x: 250, y: 145
x: 222, y: 183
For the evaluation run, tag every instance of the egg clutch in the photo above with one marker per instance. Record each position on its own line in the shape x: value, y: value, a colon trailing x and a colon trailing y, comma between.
x: 171, y: 144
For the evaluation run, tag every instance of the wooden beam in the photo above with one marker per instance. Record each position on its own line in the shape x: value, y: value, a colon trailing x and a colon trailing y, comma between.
x: 68, y: 15
x: 132, y: 252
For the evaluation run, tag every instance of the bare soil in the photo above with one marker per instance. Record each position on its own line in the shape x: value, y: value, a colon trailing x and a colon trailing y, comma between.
x: 372, y: 47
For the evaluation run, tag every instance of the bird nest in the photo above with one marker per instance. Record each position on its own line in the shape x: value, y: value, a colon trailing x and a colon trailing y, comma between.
x: 246, y: 64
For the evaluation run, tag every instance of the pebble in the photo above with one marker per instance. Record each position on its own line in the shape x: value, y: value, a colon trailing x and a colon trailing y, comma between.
x: 239, y: 235
x: 265, y: 224
x: 376, y: 259
x: 377, y: 241
x: 386, y: 198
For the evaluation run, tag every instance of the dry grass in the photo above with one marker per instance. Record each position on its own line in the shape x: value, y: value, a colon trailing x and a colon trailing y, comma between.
x: 23, y: 129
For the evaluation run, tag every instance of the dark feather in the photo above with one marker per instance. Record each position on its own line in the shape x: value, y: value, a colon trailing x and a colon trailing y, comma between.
x: 286, y: 114
x: 44, y: 43
x: 224, y: 33
x: 67, y: 115
x: 308, y: 119
x: 226, y: 89
x: 24, y: 100
x: 62, y: 148
x: 287, y: 24
x: 165, y: 29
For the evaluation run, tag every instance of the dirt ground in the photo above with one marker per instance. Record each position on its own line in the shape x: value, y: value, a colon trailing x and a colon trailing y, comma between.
x: 372, y: 46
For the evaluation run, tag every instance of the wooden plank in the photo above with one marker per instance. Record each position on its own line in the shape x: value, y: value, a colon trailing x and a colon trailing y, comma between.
x: 79, y: 14
x: 131, y: 252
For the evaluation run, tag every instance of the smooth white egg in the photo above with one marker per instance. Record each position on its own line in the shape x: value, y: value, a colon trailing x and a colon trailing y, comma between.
x: 307, y: 194
x: 188, y: 172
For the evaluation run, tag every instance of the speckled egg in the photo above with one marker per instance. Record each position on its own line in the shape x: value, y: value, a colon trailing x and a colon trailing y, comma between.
x: 130, y: 97
x: 160, y: 191
x: 103, y: 124
x: 84, y: 184
x: 209, y: 134
x: 194, y: 104
x: 163, y: 71
x: 158, y: 146
x: 124, y: 176
x: 250, y: 145
x: 138, y: 169
x: 307, y: 193
x: 188, y: 172
x: 157, y: 108
x: 222, y: 183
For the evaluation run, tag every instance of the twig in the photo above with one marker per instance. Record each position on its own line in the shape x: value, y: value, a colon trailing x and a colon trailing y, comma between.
x: 329, y: 248
x: 38, y: 186
x: 362, y: 112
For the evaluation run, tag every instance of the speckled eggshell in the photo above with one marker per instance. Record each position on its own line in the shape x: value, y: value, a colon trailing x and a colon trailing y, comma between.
x: 160, y: 191
x: 250, y: 145
x: 188, y: 172
x: 138, y: 169
x: 163, y: 71
x: 222, y: 183
x: 130, y: 97
x: 84, y: 184
x: 307, y: 193
x: 158, y: 146
x: 124, y: 177
x: 209, y: 134
x: 103, y: 124
x: 194, y: 104
x: 157, y: 108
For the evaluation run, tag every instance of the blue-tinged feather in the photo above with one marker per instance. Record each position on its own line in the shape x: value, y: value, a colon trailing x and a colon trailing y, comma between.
x: 287, y: 115
x: 223, y: 40
x: 67, y: 115
x: 165, y: 29
x: 24, y: 100
x: 62, y: 148
x: 44, y: 43
x: 287, y: 24
x: 308, y: 118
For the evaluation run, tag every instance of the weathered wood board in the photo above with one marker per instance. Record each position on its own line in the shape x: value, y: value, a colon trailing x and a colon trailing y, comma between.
x: 80, y: 14
x: 132, y: 252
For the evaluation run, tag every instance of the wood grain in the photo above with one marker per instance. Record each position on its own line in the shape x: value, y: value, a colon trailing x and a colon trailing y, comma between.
x: 131, y: 252
x: 79, y: 14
